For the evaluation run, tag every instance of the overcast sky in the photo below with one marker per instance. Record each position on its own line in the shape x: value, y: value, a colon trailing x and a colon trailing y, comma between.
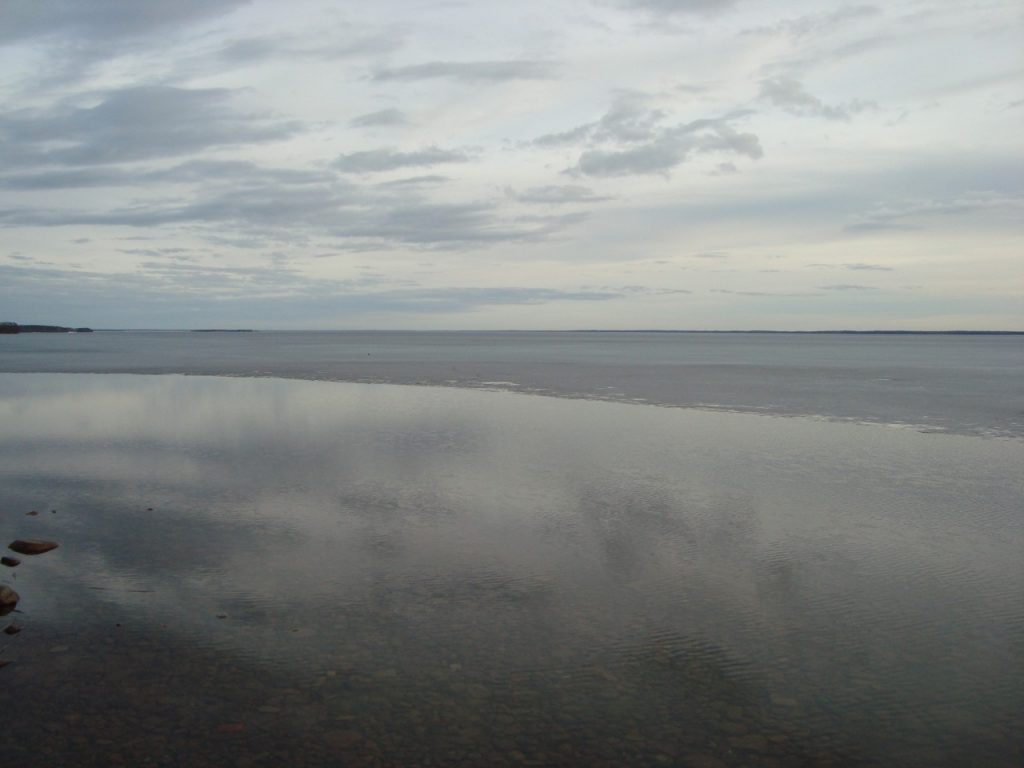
x: 558, y: 164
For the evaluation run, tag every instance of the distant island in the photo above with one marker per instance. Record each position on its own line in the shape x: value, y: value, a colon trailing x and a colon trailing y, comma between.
x: 16, y: 328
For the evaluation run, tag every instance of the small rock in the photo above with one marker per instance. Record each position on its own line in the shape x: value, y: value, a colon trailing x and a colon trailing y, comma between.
x: 32, y: 546
x: 12, y: 629
x: 10, y: 562
x: 8, y: 599
x: 33, y: 513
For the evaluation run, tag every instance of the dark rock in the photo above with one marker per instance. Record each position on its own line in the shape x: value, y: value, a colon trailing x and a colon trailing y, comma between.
x: 33, y: 513
x: 8, y: 599
x: 10, y: 562
x: 32, y: 546
x: 12, y: 629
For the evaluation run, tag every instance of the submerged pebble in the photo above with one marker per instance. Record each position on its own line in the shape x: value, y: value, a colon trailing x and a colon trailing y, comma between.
x: 32, y: 546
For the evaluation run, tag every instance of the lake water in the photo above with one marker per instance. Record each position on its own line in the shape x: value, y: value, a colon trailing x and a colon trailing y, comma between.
x: 264, y: 571
x: 960, y: 384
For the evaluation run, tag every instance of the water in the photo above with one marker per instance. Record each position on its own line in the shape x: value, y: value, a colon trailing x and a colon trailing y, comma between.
x: 274, y: 572
x: 958, y: 384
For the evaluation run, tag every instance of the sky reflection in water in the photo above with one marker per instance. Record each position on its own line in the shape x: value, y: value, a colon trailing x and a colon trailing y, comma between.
x: 411, y: 574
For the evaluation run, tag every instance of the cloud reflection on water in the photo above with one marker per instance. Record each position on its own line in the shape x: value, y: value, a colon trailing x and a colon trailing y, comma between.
x: 527, y: 538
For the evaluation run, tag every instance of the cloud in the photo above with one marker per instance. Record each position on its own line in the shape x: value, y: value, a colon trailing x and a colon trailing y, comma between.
x: 136, y: 123
x: 847, y: 287
x: 855, y: 267
x: 251, y: 50
x: 817, y: 24
x: 383, y: 117
x: 557, y: 195
x: 669, y: 148
x: 860, y: 267
x: 910, y: 214
x: 679, y: 6
x: 628, y: 119
x: 469, y: 71
x: 103, y: 19
x: 789, y: 95
x: 265, y: 290
x: 236, y: 172
x: 258, y: 207
x: 377, y: 160
x: 426, y: 180
x: 632, y: 138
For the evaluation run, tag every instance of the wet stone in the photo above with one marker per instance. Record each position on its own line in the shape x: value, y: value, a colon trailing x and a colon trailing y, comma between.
x: 12, y: 629
x: 10, y: 562
x: 32, y: 546
x: 8, y: 599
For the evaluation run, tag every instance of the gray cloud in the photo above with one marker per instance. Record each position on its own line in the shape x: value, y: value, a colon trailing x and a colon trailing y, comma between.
x: 376, y: 160
x: 426, y: 180
x: 633, y: 139
x: 382, y: 117
x: 860, y: 267
x: 679, y: 6
x: 190, y: 172
x: 816, y: 24
x: 557, y: 195
x: 847, y: 287
x: 789, y: 94
x: 266, y: 291
x: 251, y: 50
x: 627, y: 120
x: 135, y: 123
x: 855, y: 267
x: 671, y: 147
x: 909, y: 214
x: 103, y: 19
x: 470, y: 71
x: 269, y: 209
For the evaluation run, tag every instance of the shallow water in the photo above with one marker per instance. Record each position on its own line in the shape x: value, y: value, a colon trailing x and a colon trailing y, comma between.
x: 949, y: 383
x: 261, y: 571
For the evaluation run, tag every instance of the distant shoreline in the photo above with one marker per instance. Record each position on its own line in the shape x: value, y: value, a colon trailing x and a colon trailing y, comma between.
x: 895, y: 332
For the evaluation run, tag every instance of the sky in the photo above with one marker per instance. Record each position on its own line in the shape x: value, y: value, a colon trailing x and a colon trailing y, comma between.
x: 698, y: 164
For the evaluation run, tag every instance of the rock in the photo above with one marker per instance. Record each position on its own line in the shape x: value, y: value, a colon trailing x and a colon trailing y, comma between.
x: 33, y: 513
x: 8, y: 599
x: 12, y: 629
x: 10, y: 562
x: 32, y: 546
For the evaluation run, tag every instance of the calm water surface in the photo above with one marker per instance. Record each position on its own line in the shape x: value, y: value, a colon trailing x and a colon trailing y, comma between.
x: 272, y: 572
x: 947, y: 383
